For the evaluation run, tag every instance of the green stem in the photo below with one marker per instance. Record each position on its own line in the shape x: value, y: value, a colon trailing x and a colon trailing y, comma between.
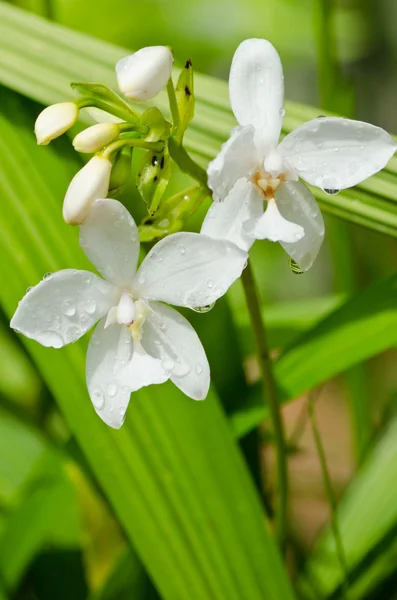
x: 331, y: 498
x: 186, y: 163
x: 271, y: 398
x: 173, y: 104
x: 131, y: 143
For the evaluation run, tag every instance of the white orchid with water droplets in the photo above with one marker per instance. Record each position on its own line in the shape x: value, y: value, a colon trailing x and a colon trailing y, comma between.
x: 139, y: 340
x: 255, y: 180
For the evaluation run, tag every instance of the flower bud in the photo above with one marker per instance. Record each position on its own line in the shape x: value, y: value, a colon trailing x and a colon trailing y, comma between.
x: 89, y: 184
x: 142, y: 75
x: 54, y: 120
x: 96, y: 137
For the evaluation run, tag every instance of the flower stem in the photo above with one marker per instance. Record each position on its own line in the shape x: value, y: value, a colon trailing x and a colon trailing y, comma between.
x: 271, y: 397
x: 132, y: 143
x: 340, y: 551
x: 186, y: 163
x: 173, y: 104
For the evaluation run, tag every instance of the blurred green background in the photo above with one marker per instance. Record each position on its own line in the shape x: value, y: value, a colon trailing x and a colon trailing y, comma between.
x: 60, y: 537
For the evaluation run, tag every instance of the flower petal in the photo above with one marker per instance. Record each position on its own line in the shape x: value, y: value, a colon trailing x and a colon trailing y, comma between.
x: 62, y: 307
x: 237, y: 158
x: 110, y: 239
x: 256, y: 88
x: 334, y: 154
x: 224, y: 220
x: 115, y: 368
x: 170, y: 337
x: 296, y: 202
x: 274, y: 227
x: 189, y: 269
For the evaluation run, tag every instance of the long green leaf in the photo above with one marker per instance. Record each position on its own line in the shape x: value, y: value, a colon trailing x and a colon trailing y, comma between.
x: 40, y: 59
x: 363, y: 327
x: 172, y: 473
x: 368, y: 522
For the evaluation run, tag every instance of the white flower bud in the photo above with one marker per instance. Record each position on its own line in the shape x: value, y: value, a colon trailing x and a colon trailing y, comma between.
x: 89, y: 184
x: 142, y: 75
x: 54, y: 120
x: 96, y: 137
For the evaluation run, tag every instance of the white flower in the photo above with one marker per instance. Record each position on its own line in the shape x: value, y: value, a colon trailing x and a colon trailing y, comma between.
x: 89, y: 184
x: 97, y: 136
x: 54, y: 120
x: 253, y: 170
x: 139, y: 340
x: 142, y: 75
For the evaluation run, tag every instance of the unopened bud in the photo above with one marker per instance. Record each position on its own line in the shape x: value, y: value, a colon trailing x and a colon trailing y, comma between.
x: 89, y: 184
x: 54, y: 120
x: 96, y: 137
x: 142, y: 75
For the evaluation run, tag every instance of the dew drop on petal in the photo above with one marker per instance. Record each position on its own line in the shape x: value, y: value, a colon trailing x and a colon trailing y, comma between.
x: 98, y: 399
x: 199, y: 369
x: 72, y: 334
x: 47, y: 275
x: 29, y: 289
x: 69, y: 308
x: 112, y: 389
x: 331, y: 192
x: 210, y: 283
x: 182, y: 249
x: 204, y: 309
x: 90, y: 306
x: 168, y: 365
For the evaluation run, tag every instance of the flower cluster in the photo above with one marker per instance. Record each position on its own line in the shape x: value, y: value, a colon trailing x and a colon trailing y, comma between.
x: 139, y: 339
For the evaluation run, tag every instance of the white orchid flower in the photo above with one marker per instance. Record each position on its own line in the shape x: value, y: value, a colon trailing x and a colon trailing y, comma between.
x: 139, y: 340
x: 141, y: 76
x: 254, y: 171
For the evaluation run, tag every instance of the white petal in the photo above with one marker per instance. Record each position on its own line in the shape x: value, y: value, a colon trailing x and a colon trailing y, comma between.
x: 115, y: 368
x: 296, y: 202
x: 170, y: 337
x: 142, y: 75
x: 237, y: 158
x: 55, y: 120
x: 96, y: 137
x: 110, y: 239
x: 274, y: 227
x: 225, y: 220
x: 90, y: 183
x: 334, y: 154
x: 189, y: 269
x: 62, y: 307
x: 256, y: 88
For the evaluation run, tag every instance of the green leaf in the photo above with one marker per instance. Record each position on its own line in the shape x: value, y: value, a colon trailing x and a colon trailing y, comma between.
x: 40, y: 58
x: 106, y: 99
x: 127, y: 580
x: 368, y: 523
x: 363, y: 327
x: 173, y: 473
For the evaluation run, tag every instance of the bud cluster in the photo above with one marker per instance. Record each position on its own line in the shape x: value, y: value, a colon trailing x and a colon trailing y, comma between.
x: 121, y: 128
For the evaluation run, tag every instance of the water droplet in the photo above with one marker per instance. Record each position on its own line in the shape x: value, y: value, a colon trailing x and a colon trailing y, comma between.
x: 90, y: 306
x: 29, y: 289
x: 69, y: 308
x: 87, y: 280
x: 125, y: 389
x: 50, y: 338
x: 210, y: 283
x: 157, y: 342
x: 199, y: 369
x: 47, y: 275
x: 204, y: 309
x: 112, y: 389
x: 331, y: 191
x: 98, y: 399
x: 142, y: 279
x: 282, y: 112
x: 182, y: 249
x: 72, y: 334
x: 122, y: 410
x: 168, y: 365
x: 162, y: 326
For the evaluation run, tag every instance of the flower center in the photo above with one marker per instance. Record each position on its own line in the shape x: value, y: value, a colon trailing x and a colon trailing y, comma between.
x: 269, y: 177
x: 130, y: 313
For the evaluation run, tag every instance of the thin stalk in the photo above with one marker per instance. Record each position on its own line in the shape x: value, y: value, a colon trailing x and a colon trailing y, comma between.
x: 173, y: 104
x: 186, y: 163
x: 331, y: 498
x: 345, y: 280
x: 271, y: 398
x: 131, y: 143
